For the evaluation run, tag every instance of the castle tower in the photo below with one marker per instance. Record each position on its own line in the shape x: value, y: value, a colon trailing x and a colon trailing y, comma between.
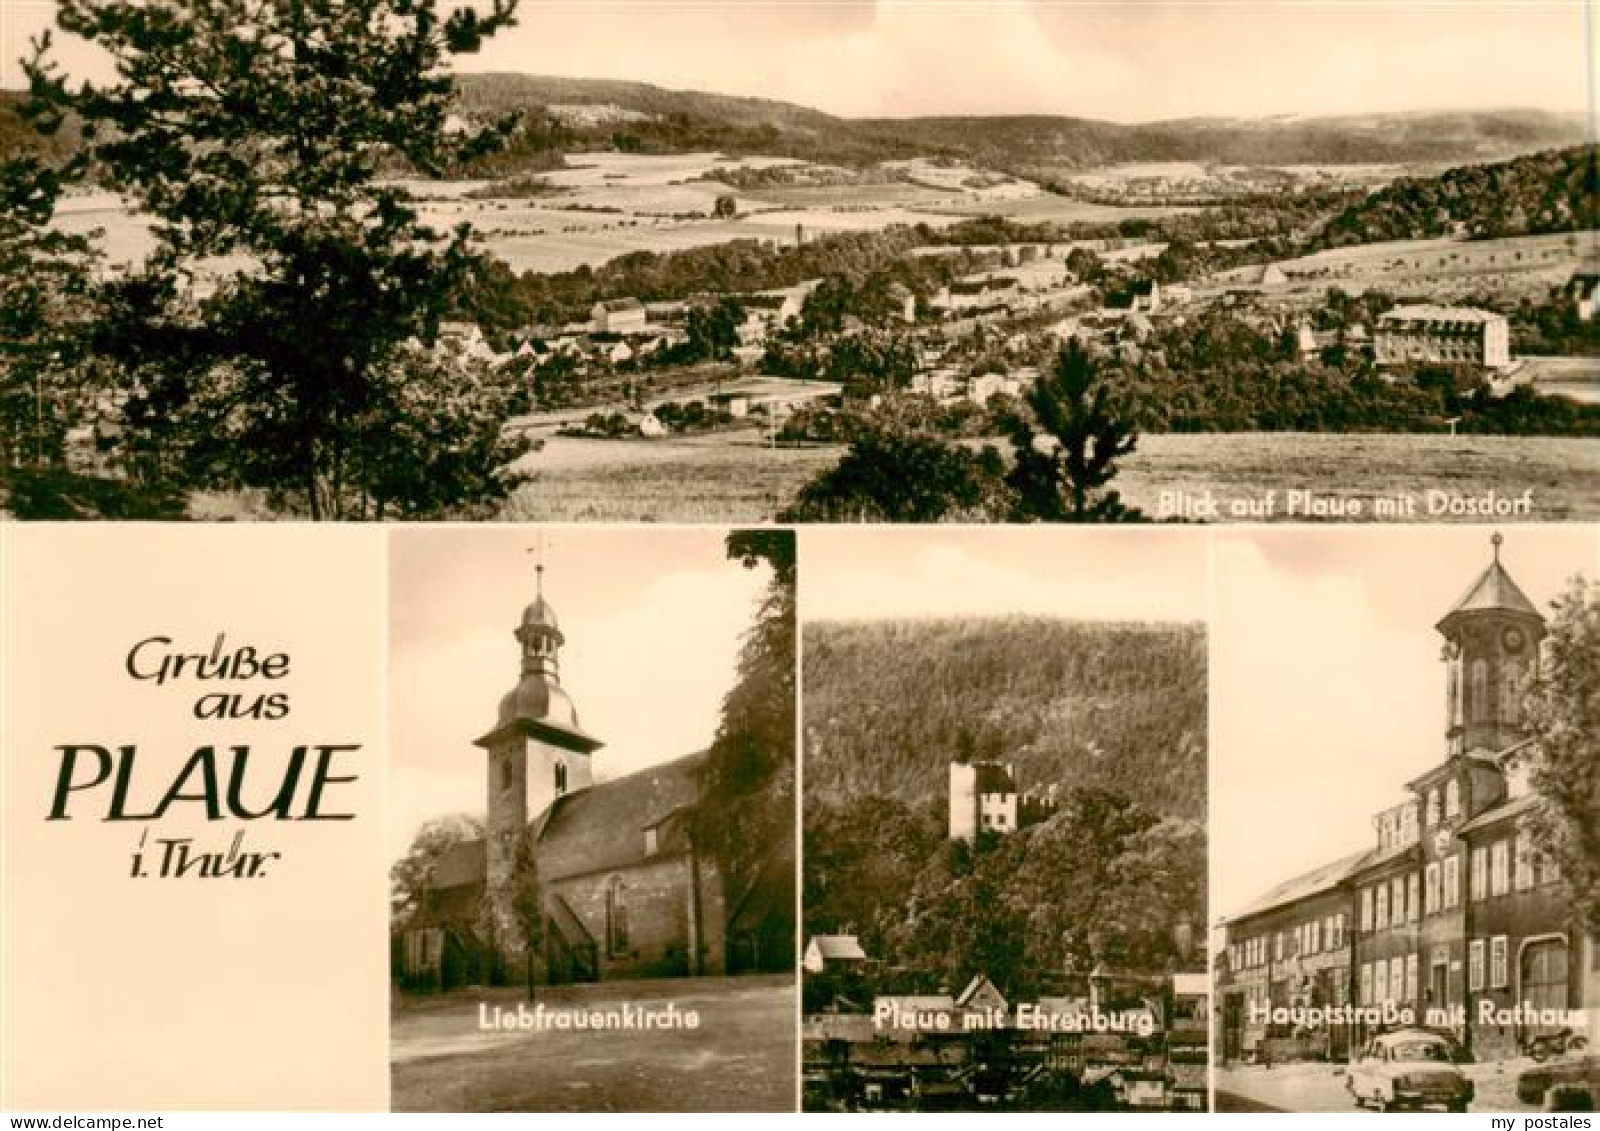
x: 537, y: 753
x: 1491, y: 653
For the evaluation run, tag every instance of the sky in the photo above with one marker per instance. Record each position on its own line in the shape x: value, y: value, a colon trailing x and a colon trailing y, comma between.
x: 868, y: 573
x: 653, y: 620
x: 1327, y: 690
x: 1124, y: 61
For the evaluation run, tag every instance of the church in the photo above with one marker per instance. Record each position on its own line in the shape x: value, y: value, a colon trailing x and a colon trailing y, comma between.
x: 1450, y: 913
x: 625, y: 890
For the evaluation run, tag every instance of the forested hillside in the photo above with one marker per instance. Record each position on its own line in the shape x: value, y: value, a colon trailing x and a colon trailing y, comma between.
x: 1048, y: 140
x: 1116, y: 707
x: 1555, y: 191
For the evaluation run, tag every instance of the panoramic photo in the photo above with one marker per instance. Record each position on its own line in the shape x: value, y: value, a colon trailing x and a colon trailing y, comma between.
x: 1404, y: 791
x: 592, y: 820
x: 1004, y: 896
x: 807, y: 261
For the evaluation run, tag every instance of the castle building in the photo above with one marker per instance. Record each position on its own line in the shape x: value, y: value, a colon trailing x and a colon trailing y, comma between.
x: 624, y: 889
x: 1451, y: 913
x: 984, y: 798
x: 1443, y: 335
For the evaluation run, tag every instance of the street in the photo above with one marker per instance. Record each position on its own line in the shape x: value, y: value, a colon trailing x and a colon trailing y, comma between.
x: 1313, y: 1086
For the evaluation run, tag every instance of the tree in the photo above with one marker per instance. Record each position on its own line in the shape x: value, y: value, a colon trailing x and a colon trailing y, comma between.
x: 891, y: 474
x: 745, y: 816
x: 288, y: 280
x: 726, y: 207
x: 527, y: 904
x: 712, y: 331
x: 1563, y: 713
x: 44, y: 312
x: 411, y: 877
x: 1085, y: 431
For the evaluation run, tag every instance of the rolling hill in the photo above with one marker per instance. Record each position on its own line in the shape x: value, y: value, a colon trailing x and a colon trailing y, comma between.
x: 1117, y: 707
x: 565, y: 115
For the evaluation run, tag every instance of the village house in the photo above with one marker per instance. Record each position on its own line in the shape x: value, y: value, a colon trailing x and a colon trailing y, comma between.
x: 1451, y: 914
x: 618, y: 316
x: 829, y: 952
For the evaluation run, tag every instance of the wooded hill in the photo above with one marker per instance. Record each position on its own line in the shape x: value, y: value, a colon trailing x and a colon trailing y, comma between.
x: 1555, y: 191
x: 645, y: 118
x: 675, y: 120
x: 1114, y: 707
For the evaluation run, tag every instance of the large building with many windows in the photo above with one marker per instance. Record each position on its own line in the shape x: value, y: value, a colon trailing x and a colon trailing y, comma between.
x: 1451, y: 918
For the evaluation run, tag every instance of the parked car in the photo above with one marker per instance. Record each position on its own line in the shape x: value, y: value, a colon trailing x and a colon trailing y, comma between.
x: 1573, y: 1073
x: 1408, y: 1068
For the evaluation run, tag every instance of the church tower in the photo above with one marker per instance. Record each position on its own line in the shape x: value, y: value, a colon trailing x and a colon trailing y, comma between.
x: 537, y: 754
x: 1491, y: 653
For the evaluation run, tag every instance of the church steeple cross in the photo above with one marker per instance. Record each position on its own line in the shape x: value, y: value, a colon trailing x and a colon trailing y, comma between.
x: 540, y: 547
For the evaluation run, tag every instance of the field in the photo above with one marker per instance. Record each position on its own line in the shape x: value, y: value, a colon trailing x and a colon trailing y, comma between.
x: 741, y: 1058
x: 714, y: 480
x: 1445, y: 270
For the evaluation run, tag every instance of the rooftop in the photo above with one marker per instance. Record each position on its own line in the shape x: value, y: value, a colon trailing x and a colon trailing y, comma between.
x: 1429, y: 313
x: 1315, y: 882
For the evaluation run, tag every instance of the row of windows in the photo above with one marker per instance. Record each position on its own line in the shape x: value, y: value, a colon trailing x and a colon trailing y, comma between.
x: 1405, y: 899
x: 1508, y: 865
x: 1314, y: 936
x: 1394, y: 980
x: 1499, y: 968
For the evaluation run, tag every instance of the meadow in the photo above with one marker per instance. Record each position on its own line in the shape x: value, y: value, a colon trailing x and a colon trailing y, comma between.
x: 713, y: 480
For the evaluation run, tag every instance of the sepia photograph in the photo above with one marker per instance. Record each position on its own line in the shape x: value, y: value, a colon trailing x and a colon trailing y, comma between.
x: 680, y: 260
x: 592, y: 820
x: 1004, y: 895
x: 1405, y: 797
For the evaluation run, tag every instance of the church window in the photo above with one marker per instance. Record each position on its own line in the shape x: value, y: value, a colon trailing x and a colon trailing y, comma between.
x: 1510, y: 694
x: 505, y: 772
x: 616, y: 917
x: 1480, y: 690
x: 1452, y: 798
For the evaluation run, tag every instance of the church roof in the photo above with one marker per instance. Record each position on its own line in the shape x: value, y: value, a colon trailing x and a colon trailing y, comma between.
x: 1307, y: 884
x: 603, y: 827
x: 1494, y: 591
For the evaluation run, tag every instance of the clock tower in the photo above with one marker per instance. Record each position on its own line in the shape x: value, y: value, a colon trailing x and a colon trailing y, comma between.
x: 1491, y: 653
x: 537, y: 754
